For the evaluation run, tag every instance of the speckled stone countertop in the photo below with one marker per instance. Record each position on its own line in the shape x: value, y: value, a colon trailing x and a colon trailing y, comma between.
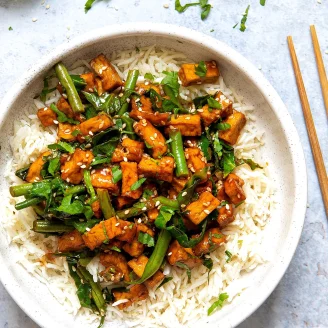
x: 300, y: 300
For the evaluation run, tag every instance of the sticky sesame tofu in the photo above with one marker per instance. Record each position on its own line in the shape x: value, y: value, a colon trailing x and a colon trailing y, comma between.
x: 237, y: 121
x: 70, y: 242
x: 143, y: 88
x: 141, y: 104
x: 46, y: 116
x: 34, y: 172
x: 95, y: 206
x: 177, y: 253
x: 213, y: 238
x: 64, y: 106
x: 152, y: 214
x: 188, y: 76
x: 197, y: 211
x: 195, y: 159
x: 118, y: 263
x: 130, y: 149
x: 233, y: 188
x: 155, y: 118
x: 129, y: 231
x: 190, y: 142
x: 189, y: 125
x: 225, y: 216
x: 135, y: 294
x: 65, y: 131
x: 121, y: 202
x: 138, y: 266
x: 161, y: 169
x: 152, y: 136
x: 103, y: 178
x: 95, y: 124
x: 179, y: 183
x: 129, y: 177
x: 89, y: 79
x: 108, y: 74
x: 72, y: 169
x: 135, y: 248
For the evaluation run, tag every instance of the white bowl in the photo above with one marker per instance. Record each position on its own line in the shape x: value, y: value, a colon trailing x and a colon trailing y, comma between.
x: 282, y: 151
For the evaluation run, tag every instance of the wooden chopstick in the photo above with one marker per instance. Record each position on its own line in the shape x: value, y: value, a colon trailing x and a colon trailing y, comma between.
x: 315, y: 146
x: 320, y: 65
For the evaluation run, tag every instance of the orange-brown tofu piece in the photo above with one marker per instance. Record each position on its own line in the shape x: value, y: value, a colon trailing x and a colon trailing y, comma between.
x: 161, y: 169
x: 89, y: 79
x: 99, y: 86
x: 131, y: 149
x: 233, y: 188
x: 72, y: 169
x: 197, y: 211
x: 70, y: 242
x: 135, y: 294
x: 190, y: 142
x: 64, y: 106
x: 225, y: 215
x: 122, y: 202
x: 177, y: 253
x: 34, y: 172
x: 104, y: 231
x: 129, y: 177
x: 226, y: 104
x: 117, y: 262
x: 135, y: 248
x: 103, y: 178
x: 141, y: 104
x: 129, y: 231
x: 195, y: 159
x: 152, y: 136
x: 152, y: 214
x: 65, y: 131
x: 138, y: 266
x: 237, y: 121
x: 95, y: 124
x: 213, y: 238
x: 46, y: 116
x: 221, y: 195
x: 108, y: 74
x: 179, y: 183
x: 188, y: 76
x: 189, y: 125
x: 155, y: 118
x: 95, y: 206
x: 142, y: 88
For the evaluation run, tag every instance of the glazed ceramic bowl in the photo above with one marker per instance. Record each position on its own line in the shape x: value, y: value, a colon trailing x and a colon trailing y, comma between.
x: 282, y: 150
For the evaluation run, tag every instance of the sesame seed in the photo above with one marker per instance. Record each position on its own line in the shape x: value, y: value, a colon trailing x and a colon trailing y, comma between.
x: 117, y: 224
x: 152, y: 138
x: 184, y: 193
x: 68, y: 180
x: 200, y: 110
x: 87, y: 229
x: 121, y: 94
x: 34, y: 19
x: 166, y: 5
x: 188, y: 118
x: 155, y: 135
x: 169, y: 254
x: 72, y: 238
x: 227, y: 206
x: 55, y: 121
x: 127, y: 212
x: 88, y: 146
x: 139, y: 220
x: 157, y: 203
x: 91, y: 133
x: 183, y: 205
x: 73, y: 268
x: 64, y: 95
x: 146, y: 83
x: 199, y: 82
x: 125, y: 159
x: 124, y: 126
x: 128, y: 100
x: 83, y: 166
x: 207, y: 212
x: 144, y: 208
x: 79, y: 164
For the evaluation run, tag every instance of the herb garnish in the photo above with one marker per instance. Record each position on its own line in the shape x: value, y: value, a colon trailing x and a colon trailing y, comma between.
x: 138, y: 183
x: 146, y: 239
x: 218, y: 303
x: 229, y: 256
x: 204, y: 5
x: 244, y: 19
x: 262, y: 2
x: 201, y: 69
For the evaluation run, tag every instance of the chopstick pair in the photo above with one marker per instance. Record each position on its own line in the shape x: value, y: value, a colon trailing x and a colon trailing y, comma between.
x: 315, y: 146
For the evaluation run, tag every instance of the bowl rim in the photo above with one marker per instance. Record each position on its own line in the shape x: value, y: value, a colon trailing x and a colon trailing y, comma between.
x: 236, y: 59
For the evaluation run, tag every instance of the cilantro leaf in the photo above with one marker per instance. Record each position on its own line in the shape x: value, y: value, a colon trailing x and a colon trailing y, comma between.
x: 229, y: 256
x: 83, y: 226
x: 88, y: 5
x: 72, y: 208
x: 218, y: 303
x: 262, y: 2
x: 149, y: 76
x: 54, y: 165
x: 138, y: 184
x: 204, y: 146
x: 172, y: 82
x: 146, y: 239
x: 61, y: 117
x: 10, y: 28
x: 205, y: 11
x: 201, y: 69
x: 180, y: 9
x: 213, y: 103
x: 223, y: 126
x: 164, y: 216
x: 62, y: 146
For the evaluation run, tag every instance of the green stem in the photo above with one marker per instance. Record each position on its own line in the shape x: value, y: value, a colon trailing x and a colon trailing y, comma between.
x: 168, y: 91
x: 157, y: 257
x: 130, y: 85
x: 27, y: 203
x: 20, y: 190
x: 43, y: 226
x: 167, y: 202
x: 105, y: 203
x: 72, y: 94
x: 88, y: 184
x: 129, y: 125
x: 74, y: 190
x: 178, y: 153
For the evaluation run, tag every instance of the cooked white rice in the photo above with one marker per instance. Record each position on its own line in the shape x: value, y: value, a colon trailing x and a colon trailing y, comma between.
x: 178, y: 301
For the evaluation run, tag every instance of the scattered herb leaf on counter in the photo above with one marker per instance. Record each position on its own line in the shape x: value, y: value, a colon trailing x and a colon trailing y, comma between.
x: 88, y: 5
x: 262, y: 2
x: 244, y: 19
x: 10, y: 28
x: 218, y: 303
x: 204, y: 5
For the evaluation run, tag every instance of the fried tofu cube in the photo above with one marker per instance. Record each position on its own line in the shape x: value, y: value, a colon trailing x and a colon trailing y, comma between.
x: 143, y: 88
x: 188, y: 76
x: 121, y: 202
x: 190, y: 142
x: 118, y: 263
x: 212, y: 240
x: 155, y: 118
x: 135, y: 248
x: 34, y: 171
x: 138, y: 266
x: 89, y: 79
x: 65, y: 131
x: 64, y: 106
x: 70, y: 242
x: 72, y: 169
x: 179, y: 183
x: 141, y: 104
x: 233, y: 188
x: 189, y: 125
x: 152, y: 214
x: 204, y: 186
x: 95, y: 124
x: 145, y: 130
x: 221, y: 195
x: 46, y: 116
x: 195, y: 159
x: 237, y: 121
x: 145, y: 229
x: 131, y: 149
x: 129, y: 231
x: 96, y: 209
x: 103, y: 178
x: 197, y: 211
x: 226, y: 104
x: 99, y: 86
x: 177, y: 253
x: 108, y: 74
x: 135, y: 294
x: 104, y: 231
x: 129, y: 177
x: 161, y: 169
x: 225, y: 216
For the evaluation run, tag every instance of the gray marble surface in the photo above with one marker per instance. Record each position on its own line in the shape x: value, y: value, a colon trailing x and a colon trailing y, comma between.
x: 300, y: 300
